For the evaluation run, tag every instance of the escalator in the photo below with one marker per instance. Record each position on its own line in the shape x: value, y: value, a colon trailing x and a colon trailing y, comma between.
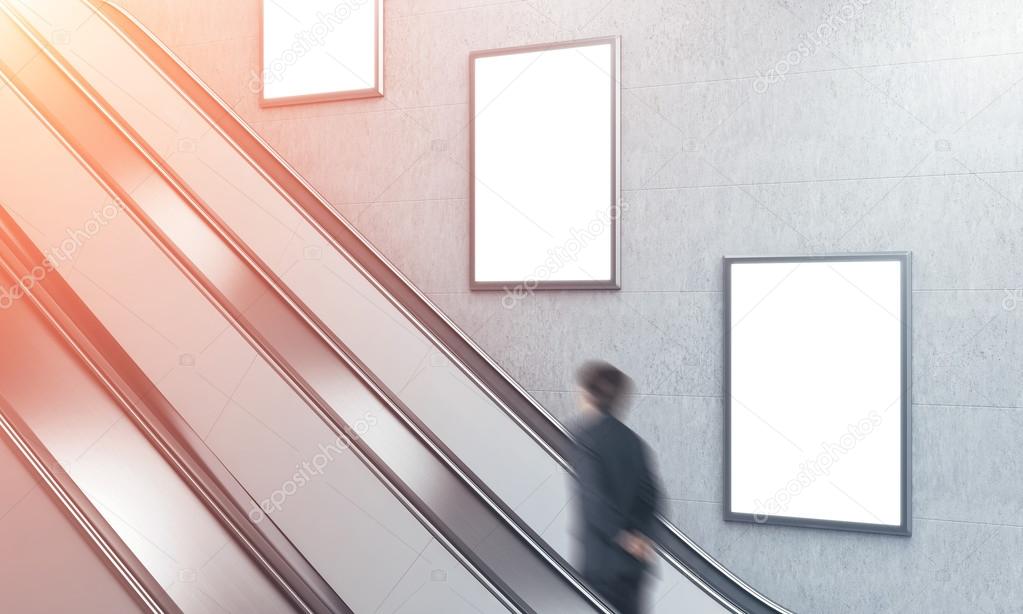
x: 343, y: 336
x: 384, y: 553
x: 379, y: 516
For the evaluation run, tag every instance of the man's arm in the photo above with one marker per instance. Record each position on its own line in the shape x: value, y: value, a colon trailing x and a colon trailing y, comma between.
x: 599, y: 511
x: 648, y: 495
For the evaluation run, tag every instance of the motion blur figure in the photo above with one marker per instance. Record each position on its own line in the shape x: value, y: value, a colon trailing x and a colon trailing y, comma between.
x: 618, y: 491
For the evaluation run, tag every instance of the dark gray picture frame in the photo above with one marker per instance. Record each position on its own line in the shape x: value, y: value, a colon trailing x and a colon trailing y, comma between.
x: 614, y: 283
x: 906, y: 310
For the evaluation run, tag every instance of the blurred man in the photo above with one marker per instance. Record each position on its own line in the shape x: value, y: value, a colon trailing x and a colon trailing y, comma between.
x: 618, y: 491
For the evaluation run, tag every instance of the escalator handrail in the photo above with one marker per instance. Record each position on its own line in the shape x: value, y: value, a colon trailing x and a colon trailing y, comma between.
x: 399, y: 489
x: 90, y: 521
x: 679, y: 550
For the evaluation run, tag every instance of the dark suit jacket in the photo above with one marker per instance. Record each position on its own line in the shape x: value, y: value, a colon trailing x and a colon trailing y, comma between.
x: 618, y: 491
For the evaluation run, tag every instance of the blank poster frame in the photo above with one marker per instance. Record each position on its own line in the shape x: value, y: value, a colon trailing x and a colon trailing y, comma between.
x: 906, y: 437
x: 376, y: 91
x: 614, y: 198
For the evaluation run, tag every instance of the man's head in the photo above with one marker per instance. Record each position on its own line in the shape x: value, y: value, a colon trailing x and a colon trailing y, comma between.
x: 602, y: 387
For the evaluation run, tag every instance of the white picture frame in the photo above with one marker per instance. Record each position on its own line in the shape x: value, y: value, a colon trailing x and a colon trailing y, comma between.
x: 320, y: 50
x: 817, y: 391
x: 544, y: 166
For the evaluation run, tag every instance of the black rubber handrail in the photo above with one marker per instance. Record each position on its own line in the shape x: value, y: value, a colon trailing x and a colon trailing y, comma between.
x: 678, y: 549
x: 90, y: 522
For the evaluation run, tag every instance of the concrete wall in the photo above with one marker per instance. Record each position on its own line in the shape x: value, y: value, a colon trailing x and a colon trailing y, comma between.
x: 899, y: 130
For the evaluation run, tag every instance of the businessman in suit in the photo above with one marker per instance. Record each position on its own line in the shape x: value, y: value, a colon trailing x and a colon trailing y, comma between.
x: 618, y: 493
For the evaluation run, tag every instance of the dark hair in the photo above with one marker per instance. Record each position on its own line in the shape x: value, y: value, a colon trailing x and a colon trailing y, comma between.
x: 605, y: 383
